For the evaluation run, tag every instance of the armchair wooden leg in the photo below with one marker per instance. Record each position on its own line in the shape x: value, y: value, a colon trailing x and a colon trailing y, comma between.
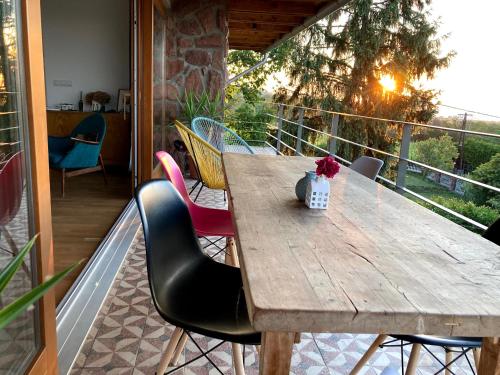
x: 169, y: 352
x: 63, y: 177
x: 101, y: 162
x: 238, y: 354
x: 413, y: 361
x: 371, y: 350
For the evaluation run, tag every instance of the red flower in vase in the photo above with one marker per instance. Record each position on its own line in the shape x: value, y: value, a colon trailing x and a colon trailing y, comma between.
x: 327, y: 167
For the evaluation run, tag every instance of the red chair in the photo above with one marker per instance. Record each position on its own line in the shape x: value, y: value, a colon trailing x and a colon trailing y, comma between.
x: 11, y: 193
x: 207, y: 221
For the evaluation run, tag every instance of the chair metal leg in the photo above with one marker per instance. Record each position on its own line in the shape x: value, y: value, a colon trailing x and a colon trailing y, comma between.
x: 413, y: 361
x: 169, y: 352
x: 178, y: 350
x: 194, y: 186
x: 199, y: 191
x: 371, y: 350
x: 238, y: 354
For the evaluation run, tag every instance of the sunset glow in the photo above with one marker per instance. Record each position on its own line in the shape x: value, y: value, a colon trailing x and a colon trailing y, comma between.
x: 388, y: 83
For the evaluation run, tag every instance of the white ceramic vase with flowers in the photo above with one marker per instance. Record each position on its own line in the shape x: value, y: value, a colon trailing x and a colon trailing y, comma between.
x: 318, y: 189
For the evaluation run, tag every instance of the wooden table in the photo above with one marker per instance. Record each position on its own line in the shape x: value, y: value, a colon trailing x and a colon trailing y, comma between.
x: 374, y: 262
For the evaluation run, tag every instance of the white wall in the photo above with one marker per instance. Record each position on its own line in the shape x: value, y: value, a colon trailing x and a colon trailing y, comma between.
x: 86, y: 43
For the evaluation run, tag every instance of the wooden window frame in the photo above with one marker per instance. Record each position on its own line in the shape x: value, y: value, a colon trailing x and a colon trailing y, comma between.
x: 144, y: 48
x: 45, y: 362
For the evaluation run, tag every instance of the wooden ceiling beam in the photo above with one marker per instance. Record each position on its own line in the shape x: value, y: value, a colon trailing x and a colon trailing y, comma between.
x: 245, y: 26
x: 254, y: 34
x: 268, y: 19
x: 304, y: 9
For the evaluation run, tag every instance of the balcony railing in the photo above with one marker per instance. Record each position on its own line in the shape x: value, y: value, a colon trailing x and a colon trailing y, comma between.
x: 276, y: 133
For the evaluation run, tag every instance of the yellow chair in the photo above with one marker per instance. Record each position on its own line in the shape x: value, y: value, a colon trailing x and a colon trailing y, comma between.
x: 207, y: 160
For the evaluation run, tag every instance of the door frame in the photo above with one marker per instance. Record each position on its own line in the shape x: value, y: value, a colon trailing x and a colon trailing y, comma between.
x: 142, y: 101
x: 45, y: 361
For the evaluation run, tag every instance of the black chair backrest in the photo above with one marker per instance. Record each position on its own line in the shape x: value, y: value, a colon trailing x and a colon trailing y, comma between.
x: 493, y: 232
x: 171, y: 243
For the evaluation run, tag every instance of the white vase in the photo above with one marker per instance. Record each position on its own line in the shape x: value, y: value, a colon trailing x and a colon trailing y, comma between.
x: 318, y: 193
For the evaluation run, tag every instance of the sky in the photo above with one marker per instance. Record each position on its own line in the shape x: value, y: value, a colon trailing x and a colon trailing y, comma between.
x: 472, y: 81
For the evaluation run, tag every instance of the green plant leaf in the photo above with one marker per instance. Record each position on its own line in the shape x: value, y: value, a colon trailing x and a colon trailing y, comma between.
x: 8, y: 272
x: 11, y: 311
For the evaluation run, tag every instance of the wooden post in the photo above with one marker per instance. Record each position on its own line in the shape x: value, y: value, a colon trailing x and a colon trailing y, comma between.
x: 404, y: 152
x: 276, y: 353
x: 280, y: 124
x: 298, y: 145
x: 489, y: 364
x: 334, y: 131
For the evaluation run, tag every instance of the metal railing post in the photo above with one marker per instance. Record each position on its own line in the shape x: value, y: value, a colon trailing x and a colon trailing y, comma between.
x: 334, y: 131
x: 279, y: 121
x: 404, y: 152
x: 298, y: 146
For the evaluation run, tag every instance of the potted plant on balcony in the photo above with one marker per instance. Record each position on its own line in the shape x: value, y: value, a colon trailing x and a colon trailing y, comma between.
x: 13, y: 309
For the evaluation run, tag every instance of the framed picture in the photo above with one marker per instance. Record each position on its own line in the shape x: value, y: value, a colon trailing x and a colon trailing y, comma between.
x: 123, y: 104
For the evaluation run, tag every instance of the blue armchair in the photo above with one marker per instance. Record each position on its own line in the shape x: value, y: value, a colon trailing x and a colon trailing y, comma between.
x: 80, y: 152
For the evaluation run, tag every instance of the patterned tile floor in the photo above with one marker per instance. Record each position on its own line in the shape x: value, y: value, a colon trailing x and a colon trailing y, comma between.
x: 128, y: 335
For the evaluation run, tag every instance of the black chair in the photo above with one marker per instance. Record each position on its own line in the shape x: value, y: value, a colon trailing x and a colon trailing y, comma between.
x: 186, y: 284
x: 459, y: 345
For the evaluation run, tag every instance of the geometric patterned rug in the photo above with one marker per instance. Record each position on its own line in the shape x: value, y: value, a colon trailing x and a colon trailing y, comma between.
x: 128, y: 336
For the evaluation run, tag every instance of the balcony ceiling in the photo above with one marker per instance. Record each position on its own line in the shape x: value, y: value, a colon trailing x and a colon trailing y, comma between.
x: 260, y: 25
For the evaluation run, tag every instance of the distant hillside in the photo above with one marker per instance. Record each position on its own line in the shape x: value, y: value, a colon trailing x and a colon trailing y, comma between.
x: 477, y: 125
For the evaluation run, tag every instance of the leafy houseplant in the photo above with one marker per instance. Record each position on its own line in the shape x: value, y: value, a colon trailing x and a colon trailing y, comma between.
x: 11, y: 311
x: 200, y: 105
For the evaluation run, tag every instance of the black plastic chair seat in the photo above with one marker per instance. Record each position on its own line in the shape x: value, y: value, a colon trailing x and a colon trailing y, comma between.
x: 189, y: 289
x: 448, y: 342
x: 212, y: 304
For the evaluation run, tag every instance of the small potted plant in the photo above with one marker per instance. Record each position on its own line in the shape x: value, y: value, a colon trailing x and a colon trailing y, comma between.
x: 97, y: 100
x: 318, y: 189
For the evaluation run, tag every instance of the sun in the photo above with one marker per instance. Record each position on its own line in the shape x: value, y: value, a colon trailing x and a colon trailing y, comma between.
x: 388, y: 83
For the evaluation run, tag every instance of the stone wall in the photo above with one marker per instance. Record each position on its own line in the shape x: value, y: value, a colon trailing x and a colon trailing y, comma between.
x: 193, y: 57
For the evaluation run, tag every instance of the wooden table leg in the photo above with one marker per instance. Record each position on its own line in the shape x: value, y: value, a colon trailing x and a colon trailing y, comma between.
x: 276, y: 353
x: 489, y: 364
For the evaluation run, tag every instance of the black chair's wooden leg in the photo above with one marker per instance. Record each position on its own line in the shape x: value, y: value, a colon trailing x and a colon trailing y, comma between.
x: 101, y: 162
x: 169, y: 352
x: 178, y: 350
x: 63, y: 177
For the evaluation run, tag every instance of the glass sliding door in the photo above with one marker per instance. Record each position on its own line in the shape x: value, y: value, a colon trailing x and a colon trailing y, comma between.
x: 19, y: 341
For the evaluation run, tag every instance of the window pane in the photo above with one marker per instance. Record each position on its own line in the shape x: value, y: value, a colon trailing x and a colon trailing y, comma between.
x: 19, y: 340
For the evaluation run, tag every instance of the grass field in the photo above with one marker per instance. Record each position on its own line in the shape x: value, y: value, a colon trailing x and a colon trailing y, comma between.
x: 421, y: 185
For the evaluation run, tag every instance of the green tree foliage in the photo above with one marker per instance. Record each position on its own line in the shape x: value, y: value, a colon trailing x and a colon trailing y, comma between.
x: 436, y: 152
x: 250, y: 86
x: 337, y: 64
x: 479, y: 151
x: 249, y: 120
x: 487, y: 173
x: 482, y: 214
